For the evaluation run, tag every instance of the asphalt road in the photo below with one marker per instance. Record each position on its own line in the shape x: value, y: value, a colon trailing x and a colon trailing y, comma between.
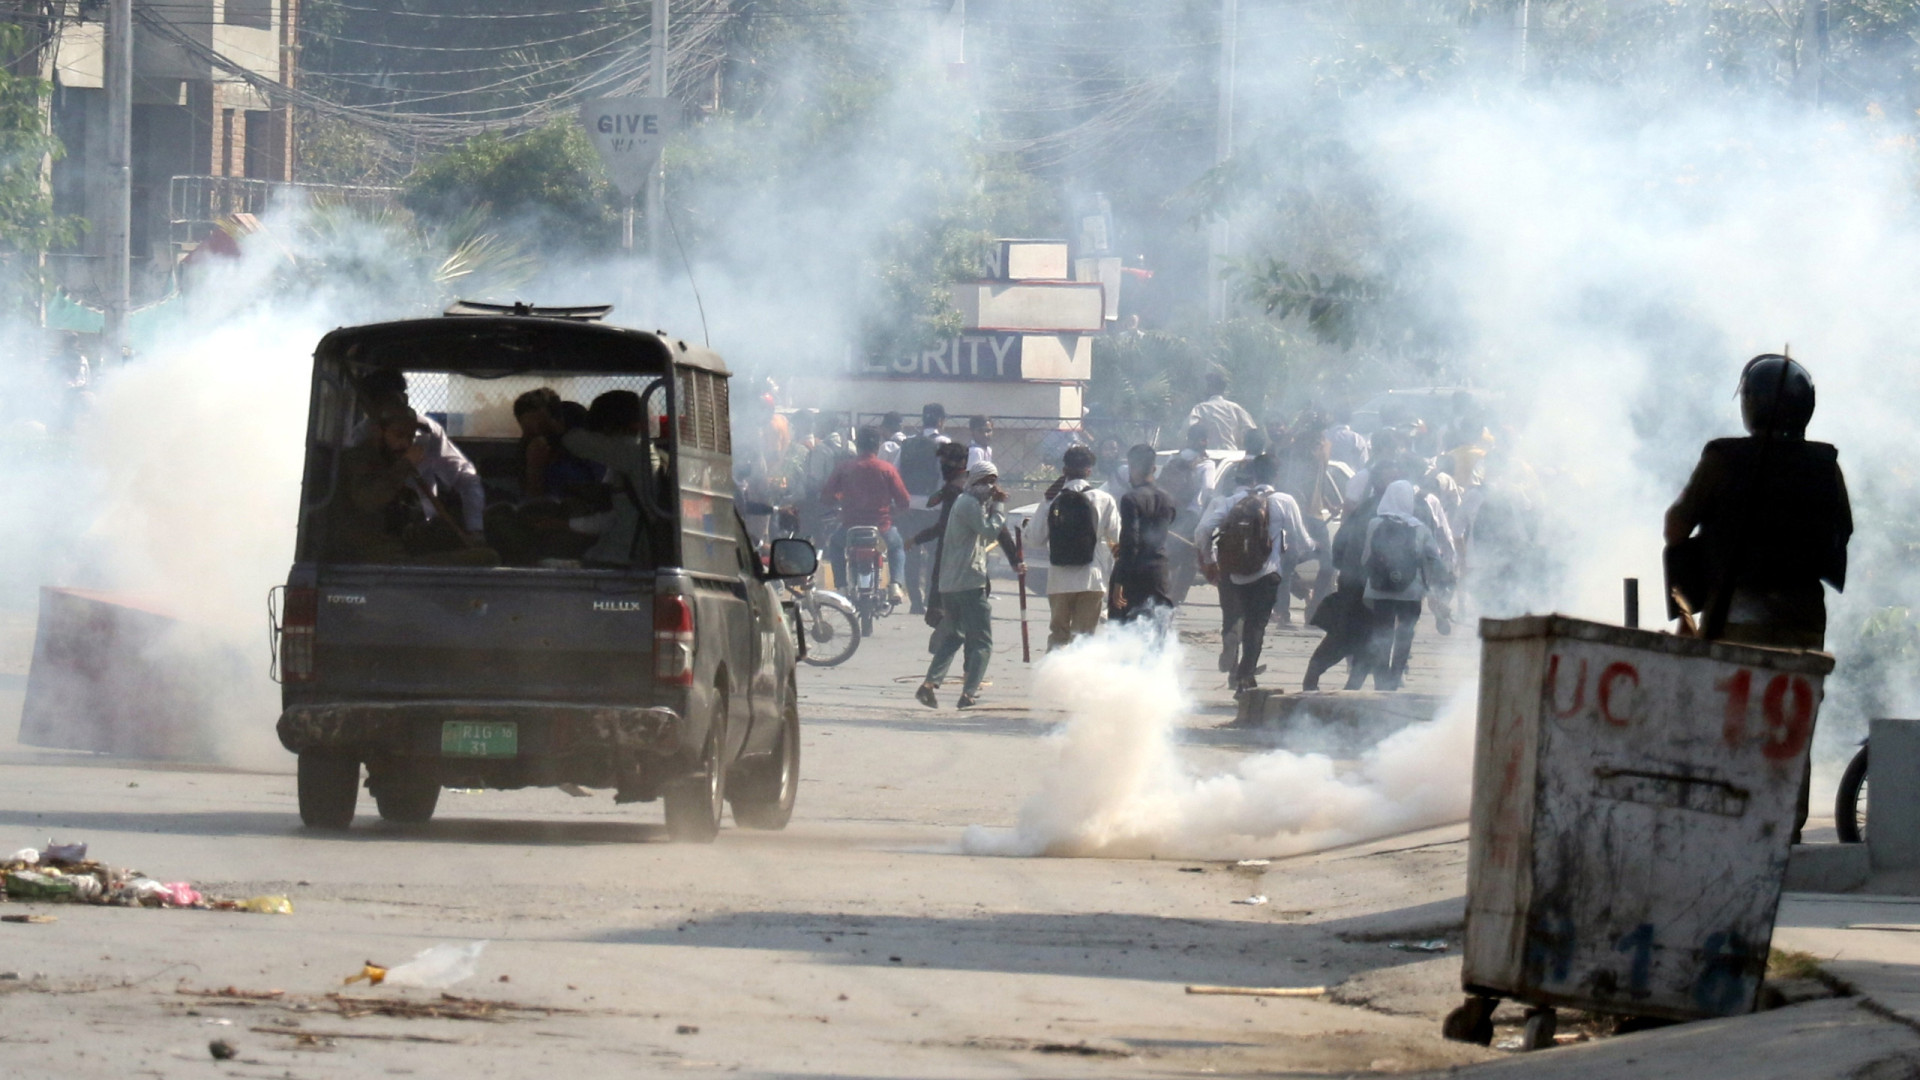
x: 858, y: 942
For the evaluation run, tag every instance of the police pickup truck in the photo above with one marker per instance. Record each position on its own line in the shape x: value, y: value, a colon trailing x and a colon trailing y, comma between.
x: 664, y: 672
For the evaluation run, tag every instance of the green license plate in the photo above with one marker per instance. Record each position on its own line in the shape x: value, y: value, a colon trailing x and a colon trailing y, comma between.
x: 459, y: 738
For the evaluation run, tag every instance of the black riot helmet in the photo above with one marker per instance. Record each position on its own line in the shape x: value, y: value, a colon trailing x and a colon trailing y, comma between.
x: 1776, y: 394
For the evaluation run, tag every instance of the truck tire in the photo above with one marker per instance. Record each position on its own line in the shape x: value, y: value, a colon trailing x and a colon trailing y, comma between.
x: 764, y: 798
x: 329, y: 786
x: 694, y: 804
x: 406, y: 799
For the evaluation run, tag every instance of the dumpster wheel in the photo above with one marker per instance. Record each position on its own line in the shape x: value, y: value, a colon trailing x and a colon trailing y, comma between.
x: 1472, y: 1022
x: 1541, y: 1023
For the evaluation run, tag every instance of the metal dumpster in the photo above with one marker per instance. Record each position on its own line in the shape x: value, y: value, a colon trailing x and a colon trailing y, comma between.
x: 1633, y: 801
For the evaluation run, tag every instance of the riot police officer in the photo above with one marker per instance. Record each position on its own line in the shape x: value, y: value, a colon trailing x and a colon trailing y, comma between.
x: 1773, y: 522
x: 1772, y: 516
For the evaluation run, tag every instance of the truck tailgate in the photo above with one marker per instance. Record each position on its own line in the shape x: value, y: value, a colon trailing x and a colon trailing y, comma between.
x: 392, y: 634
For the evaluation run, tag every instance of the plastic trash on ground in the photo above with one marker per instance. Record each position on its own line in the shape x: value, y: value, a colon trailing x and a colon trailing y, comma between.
x: 64, y: 853
x: 370, y: 973
x: 439, y: 967
x: 33, y: 885
x: 62, y: 873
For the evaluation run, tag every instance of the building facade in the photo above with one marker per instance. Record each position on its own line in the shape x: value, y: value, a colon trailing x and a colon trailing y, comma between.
x: 194, y: 115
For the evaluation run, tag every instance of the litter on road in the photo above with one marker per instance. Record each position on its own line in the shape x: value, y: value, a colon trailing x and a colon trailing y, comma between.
x: 436, y: 968
x: 1260, y: 991
x: 1256, y: 901
x: 1435, y: 945
x: 62, y: 874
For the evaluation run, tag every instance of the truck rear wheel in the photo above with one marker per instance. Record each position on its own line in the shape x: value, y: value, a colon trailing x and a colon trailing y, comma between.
x: 408, y: 798
x: 329, y: 786
x: 695, y: 803
x: 765, y: 799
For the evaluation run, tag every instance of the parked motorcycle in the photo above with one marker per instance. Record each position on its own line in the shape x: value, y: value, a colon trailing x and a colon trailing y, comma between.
x: 829, y: 622
x: 871, y: 598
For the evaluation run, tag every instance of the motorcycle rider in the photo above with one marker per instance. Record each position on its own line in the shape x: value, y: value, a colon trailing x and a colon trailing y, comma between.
x: 867, y: 491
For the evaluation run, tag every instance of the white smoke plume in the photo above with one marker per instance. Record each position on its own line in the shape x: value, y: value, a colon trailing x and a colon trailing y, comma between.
x: 1118, y: 786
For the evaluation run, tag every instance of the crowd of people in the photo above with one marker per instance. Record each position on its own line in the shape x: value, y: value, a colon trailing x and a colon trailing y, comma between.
x: 1366, y: 531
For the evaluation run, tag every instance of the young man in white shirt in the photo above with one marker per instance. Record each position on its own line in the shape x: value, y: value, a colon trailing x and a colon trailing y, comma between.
x: 980, y: 436
x: 892, y: 437
x: 1247, y: 596
x: 1227, y: 422
x: 1088, y: 519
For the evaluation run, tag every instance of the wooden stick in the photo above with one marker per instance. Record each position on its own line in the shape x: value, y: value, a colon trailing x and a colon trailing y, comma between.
x: 297, y: 1032
x: 1026, y: 643
x: 1262, y: 991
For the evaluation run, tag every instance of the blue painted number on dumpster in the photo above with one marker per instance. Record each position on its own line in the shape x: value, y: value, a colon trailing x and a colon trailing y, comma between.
x: 1640, y: 944
x: 1724, y: 985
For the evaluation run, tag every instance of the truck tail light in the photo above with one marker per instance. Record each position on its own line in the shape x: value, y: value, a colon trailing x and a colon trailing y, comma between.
x: 672, y: 641
x: 296, y: 635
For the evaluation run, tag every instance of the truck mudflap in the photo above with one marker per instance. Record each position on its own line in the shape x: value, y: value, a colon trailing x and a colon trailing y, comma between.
x: 542, y: 728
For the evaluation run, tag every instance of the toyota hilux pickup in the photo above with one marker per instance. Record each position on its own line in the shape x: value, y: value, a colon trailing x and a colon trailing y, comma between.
x: 664, y: 670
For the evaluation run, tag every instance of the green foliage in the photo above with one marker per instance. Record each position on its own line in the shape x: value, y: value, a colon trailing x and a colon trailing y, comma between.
x: 544, y: 185
x: 336, y: 151
x: 1155, y: 376
x: 1338, y: 310
x: 28, y: 225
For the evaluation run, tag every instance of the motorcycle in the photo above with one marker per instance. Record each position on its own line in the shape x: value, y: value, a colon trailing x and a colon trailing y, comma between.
x: 871, y: 599
x: 829, y: 622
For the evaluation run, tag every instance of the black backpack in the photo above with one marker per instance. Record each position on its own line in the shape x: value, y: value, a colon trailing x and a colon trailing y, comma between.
x: 1394, y: 559
x: 920, y: 465
x: 1073, y: 529
x: 1245, y: 540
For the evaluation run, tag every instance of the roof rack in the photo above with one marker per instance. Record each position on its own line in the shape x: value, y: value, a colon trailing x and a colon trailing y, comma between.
x: 584, y: 313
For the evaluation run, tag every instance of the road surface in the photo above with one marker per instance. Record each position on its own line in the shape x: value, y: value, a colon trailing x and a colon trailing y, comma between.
x: 858, y: 942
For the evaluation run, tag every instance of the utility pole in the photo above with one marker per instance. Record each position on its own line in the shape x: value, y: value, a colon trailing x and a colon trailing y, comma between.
x: 657, y: 183
x: 1523, y: 25
x: 1810, y: 71
x: 1220, y: 243
x: 116, y: 218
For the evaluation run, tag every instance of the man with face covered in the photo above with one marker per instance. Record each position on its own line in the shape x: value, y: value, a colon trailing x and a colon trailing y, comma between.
x: 979, y: 514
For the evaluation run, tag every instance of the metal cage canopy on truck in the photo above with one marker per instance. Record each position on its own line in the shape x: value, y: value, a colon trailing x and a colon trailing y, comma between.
x: 506, y: 344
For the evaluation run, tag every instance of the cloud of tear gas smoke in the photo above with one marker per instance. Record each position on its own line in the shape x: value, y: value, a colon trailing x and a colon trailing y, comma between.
x: 198, y: 450
x: 1614, y: 270
x: 1610, y: 273
x: 1118, y: 786
x: 179, y: 483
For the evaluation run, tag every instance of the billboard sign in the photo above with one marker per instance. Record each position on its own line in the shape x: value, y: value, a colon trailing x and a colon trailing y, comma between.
x: 974, y: 356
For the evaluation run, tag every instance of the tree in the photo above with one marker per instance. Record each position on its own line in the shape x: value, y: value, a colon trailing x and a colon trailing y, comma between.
x: 28, y: 225
x: 545, y: 187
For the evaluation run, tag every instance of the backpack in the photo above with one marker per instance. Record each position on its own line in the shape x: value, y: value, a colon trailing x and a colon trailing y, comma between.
x: 1246, y: 538
x: 1393, y: 563
x: 1073, y: 529
x: 920, y: 465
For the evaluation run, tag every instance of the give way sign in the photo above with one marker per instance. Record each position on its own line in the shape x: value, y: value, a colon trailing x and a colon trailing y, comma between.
x: 629, y: 132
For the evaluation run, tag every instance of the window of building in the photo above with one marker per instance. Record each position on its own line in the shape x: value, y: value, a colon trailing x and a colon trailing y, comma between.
x: 253, y: 14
